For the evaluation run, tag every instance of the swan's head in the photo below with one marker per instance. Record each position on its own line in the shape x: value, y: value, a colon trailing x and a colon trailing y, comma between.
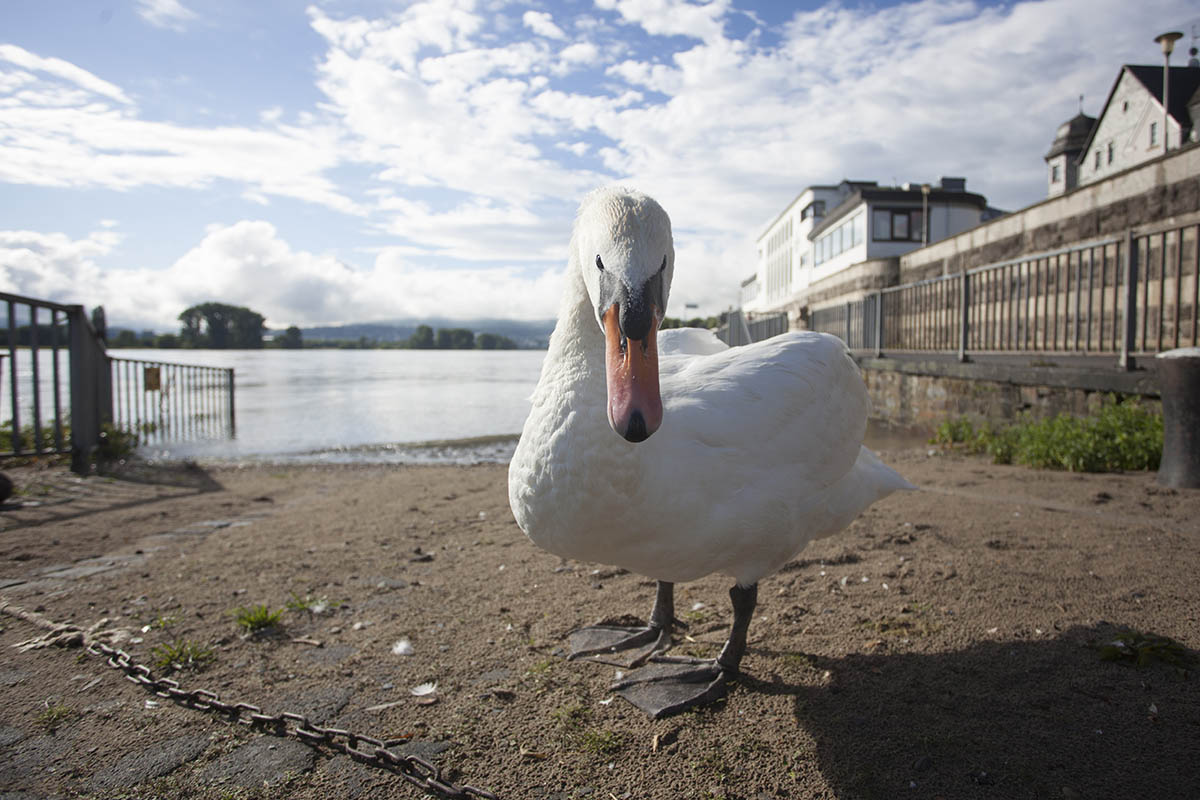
x: 623, y: 244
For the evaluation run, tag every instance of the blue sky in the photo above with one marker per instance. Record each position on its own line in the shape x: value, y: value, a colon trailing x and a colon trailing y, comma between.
x: 351, y: 160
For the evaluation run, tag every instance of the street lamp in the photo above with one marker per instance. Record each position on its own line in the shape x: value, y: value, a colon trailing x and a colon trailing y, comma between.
x: 924, y: 214
x: 1167, y: 40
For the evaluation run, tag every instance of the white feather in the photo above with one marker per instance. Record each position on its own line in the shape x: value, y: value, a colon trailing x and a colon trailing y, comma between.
x: 760, y: 449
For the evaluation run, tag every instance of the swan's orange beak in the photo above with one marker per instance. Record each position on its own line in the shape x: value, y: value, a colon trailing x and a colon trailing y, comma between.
x: 634, y: 404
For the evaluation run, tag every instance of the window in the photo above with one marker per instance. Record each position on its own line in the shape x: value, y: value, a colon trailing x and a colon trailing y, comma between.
x: 813, y: 210
x: 1153, y: 133
x: 1110, y: 152
x: 840, y: 239
x: 896, y: 225
x: 881, y: 224
x: 1054, y: 173
x: 1097, y: 159
x: 1124, y: 106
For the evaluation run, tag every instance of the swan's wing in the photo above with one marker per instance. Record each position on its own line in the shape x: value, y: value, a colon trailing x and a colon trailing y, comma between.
x: 689, y: 342
x: 792, y: 407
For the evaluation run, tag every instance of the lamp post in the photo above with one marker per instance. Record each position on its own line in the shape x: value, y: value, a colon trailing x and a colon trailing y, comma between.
x: 1167, y: 40
x: 924, y: 214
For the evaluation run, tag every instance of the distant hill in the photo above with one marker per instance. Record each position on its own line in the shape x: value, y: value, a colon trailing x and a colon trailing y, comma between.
x: 531, y: 335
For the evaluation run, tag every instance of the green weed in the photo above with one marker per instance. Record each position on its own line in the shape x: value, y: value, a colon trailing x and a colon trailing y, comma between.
x: 1120, y: 436
x: 54, y: 716
x: 256, y: 618
x: 313, y: 605
x: 181, y: 654
x: 1143, y: 649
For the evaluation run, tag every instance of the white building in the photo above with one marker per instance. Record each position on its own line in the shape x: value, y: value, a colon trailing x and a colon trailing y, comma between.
x: 1129, y: 130
x: 827, y: 230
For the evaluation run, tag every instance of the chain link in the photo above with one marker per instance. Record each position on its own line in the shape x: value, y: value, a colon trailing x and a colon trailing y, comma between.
x: 363, y: 749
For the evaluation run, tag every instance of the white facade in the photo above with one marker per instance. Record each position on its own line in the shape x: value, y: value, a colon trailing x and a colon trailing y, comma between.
x: 1129, y: 130
x: 784, y: 252
x: 828, y: 229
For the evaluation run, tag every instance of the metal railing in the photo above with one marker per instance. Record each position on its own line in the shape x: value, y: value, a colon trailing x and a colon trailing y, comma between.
x: 739, y: 329
x: 1128, y: 295
x: 163, y: 402
x: 35, y: 336
x: 48, y: 407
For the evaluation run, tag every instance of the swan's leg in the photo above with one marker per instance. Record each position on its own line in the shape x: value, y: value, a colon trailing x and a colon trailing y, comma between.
x: 670, y: 685
x: 629, y: 646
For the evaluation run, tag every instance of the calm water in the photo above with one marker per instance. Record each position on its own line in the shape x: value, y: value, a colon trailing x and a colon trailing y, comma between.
x: 367, y: 405
x: 360, y: 405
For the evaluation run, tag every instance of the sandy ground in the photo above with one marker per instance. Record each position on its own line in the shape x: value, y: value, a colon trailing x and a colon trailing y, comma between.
x: 945, y: 645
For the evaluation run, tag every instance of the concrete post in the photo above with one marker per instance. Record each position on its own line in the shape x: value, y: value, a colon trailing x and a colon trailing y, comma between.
x: 1179, y: 377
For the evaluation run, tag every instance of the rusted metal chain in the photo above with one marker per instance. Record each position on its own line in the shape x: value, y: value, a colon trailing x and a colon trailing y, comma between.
x: 364, y: 749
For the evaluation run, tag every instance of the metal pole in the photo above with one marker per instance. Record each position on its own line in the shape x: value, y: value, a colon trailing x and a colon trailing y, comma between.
x: 1129, y: 302
x: 964, y: 297
x: 1166, y: 94
x: 879, y: 324
x: 232, y: 416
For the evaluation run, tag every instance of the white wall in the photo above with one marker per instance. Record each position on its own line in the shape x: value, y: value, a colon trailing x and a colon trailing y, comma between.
x: 1125, y: 123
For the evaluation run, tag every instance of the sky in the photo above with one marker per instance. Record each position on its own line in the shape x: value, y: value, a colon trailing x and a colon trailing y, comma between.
x: 359, y: 160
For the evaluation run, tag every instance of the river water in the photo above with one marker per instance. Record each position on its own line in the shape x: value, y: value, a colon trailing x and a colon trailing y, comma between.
x: 342, y: 406
x: 366, y: 405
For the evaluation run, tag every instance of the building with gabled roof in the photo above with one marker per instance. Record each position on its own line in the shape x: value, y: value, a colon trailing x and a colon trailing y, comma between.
x: 1129, y: 129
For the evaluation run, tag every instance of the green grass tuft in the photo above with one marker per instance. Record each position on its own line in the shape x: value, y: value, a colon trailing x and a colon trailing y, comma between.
x: 181, y: 654
x: 256, y: 618
x: 54, y: 717
x: 1143, y: 649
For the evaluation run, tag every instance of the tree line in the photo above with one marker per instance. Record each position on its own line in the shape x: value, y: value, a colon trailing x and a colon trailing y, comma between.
x: 219, y: 326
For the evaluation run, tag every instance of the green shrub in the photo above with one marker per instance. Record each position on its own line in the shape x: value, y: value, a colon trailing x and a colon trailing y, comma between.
x: 1121, y: 436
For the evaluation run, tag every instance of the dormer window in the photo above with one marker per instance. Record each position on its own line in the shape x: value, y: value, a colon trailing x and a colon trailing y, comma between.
x: 1054, y: 176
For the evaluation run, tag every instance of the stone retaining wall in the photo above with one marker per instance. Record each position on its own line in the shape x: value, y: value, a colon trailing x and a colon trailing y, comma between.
x: 918, y: 392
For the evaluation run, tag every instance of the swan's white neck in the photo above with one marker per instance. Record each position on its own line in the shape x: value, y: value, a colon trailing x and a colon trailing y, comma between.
x: 576, y: 344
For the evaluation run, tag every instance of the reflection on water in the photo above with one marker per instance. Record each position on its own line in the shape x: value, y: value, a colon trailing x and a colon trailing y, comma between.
x: 368, y: 405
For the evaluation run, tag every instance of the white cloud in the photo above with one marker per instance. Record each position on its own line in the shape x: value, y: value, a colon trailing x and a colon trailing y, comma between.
x: 472, y: 132
x: 165, y: 13
x: 64, y: 127
x: 57, y: 68
x: 249, y: 264
x: 542, y: 24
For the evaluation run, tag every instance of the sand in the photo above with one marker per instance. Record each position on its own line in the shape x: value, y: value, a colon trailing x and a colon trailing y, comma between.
x: 945, y: 645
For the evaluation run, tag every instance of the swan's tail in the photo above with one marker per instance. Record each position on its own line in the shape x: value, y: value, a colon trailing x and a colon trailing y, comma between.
x: 867, y: 482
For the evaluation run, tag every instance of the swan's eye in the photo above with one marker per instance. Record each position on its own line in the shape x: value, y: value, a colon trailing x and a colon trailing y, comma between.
x: 599, y: 263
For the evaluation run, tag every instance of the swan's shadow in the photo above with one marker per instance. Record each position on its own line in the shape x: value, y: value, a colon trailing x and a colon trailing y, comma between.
x: 1044, y: 718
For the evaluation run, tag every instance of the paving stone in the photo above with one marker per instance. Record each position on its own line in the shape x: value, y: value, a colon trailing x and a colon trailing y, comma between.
x: 266, y: 760
x: 147, y: 763
x: 11, y: 677
x: 332, y: 654
x: 10, y: 735
x: 423, y: 748
x: 318, y: 705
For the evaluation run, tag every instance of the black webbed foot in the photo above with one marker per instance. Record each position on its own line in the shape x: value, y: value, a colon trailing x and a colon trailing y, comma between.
x: 669, y: 686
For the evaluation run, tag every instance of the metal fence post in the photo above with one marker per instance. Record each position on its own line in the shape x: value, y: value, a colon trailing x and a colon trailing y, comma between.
x: 85, y: 411
x: 1129, y: 302
x: 879, y: 324
x: 964, y: 301
x: 232, y: 416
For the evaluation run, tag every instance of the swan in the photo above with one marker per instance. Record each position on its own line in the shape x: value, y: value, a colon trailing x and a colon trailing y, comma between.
x: 674, y: 456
